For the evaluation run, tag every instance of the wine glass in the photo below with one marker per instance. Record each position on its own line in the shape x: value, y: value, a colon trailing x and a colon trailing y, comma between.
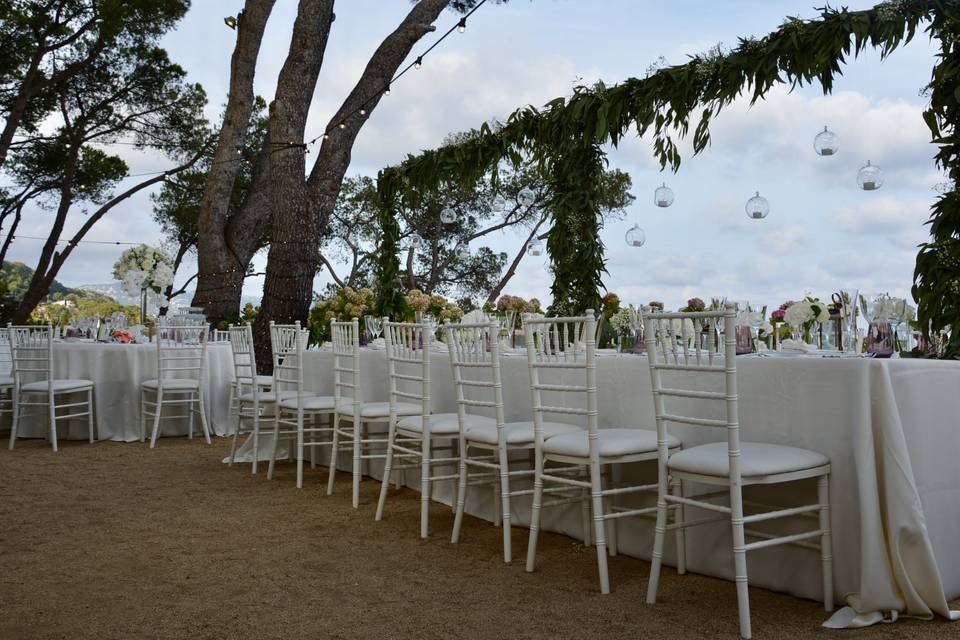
x: 374, y: 326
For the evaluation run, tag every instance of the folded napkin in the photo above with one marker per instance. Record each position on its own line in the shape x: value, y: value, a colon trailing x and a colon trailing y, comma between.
x: 796, y: 346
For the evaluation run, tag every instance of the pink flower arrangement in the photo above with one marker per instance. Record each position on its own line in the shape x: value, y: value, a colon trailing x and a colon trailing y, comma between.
x: 695, y: 304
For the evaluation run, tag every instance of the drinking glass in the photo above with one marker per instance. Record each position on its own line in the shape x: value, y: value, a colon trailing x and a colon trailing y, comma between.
x: 374, y: 326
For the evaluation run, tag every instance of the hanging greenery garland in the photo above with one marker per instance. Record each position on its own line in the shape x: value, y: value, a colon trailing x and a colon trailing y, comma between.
x: 664, y: 105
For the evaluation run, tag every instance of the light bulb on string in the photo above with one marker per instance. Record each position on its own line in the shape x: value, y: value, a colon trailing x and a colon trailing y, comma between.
x: 663, y: 196
x: 448, y: 215
x: 231, y: 22
x: 826, y: 143
x: 387, y: 91
x: 635, y: 237
x: 343, y: 125
x: 363, y: 112
x: 418, y: 63
x: 462, y: 25
x: 526, y: 197
x: 757, y: 207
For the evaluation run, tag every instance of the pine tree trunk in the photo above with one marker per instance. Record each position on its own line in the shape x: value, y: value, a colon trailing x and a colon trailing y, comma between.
x: 221, y: 268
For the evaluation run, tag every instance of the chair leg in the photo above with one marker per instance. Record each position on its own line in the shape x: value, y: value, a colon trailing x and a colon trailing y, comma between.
x: 90, y: 425
x: 299, y: 447
x: 52, y: 413
x: 357, y: 452
x: 276, y: 442
x: 158, y: 409
x: 535, y: 514
x: 387, y: 470
x: 203, y: 416
x: 333, y: 453
x: 504, y: 470
x: 15, y: 422
x: 256, y: 439
x: 425, y: 484
x: 143, y: 415
x: 740, y: 559
x: 461, y: 500
x: 826, y: 544
x: 599, y: 525
x: 660, y: 531
x: 678, y: 516
x: 236, y: 435
x: 610, y: 526
x: 316, y: 421
x: 190, y: 412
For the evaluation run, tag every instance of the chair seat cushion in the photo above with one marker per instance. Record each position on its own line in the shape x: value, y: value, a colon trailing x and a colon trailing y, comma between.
x: 268, y: 397
x: 756, y: 459
x: 444, y: 423
x: 173, y: 384
x: 59, y: 386
x: 612, y: 443
x: 378, y: 409
x: 310, y: 403
x: 517, y: 432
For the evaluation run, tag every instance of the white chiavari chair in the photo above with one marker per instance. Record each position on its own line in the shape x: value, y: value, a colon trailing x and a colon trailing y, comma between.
x: 220, y: 335
x: 250, y: 393
x: 351, y: 407
x: 561, y: 351
x: 474, y: 355
x: 33, y: 375
x: 181, y: 369
x: 7, y: 396
x: 413, y: 427
x: 693, y: 375
x: 289, y: 342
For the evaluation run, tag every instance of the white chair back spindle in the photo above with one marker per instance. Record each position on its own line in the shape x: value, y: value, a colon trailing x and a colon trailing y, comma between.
x: 181, y: 352
x: 288, y: 344
x: 346, y: 363
x: 244, y: 358
x: 475, y: 358
x: 408, y: 363
x: 32, y: 354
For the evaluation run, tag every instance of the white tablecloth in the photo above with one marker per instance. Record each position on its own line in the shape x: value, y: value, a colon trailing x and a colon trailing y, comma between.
x: 117, y: 371
x: 890, y: 427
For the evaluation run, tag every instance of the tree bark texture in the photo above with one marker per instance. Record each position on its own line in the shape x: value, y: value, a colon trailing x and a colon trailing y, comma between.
x: 224, y: 248
x: 301, y: 209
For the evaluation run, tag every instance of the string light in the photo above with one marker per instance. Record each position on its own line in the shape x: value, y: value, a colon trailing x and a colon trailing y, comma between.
x: 231, y: 22
x: 462, y: 25
x: 418, y: 63
x: 386, y: 91
x: 363, y: 112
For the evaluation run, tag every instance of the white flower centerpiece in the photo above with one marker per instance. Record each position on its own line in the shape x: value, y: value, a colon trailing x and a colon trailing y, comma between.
x: 804, y: 315
x: 144, y: 270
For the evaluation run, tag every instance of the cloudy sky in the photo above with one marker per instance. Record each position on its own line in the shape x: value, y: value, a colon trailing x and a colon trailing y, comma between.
x: 822, y: 233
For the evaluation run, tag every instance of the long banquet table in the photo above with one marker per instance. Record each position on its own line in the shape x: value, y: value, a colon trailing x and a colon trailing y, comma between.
x: 117, y: 370
x: 890, y: 427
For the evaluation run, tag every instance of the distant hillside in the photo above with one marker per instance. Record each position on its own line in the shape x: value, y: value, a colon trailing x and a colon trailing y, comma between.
x: 17, y: 276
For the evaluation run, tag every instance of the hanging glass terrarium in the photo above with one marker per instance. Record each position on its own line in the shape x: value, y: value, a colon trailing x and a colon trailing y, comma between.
x: 416, y: 241
x: 663, y: 196
x: 448, y: 215
x: 870, y: 177
x: 757, y: 207
x: 635, y: 237
x: 535, y: 248
x: 827, y: 143
x: 526, y: 197
x: 463, y: 251
x: 498, y: 204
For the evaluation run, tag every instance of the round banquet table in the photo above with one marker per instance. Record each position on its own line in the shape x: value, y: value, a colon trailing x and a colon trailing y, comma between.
x: 117, y: 370
x: 890, y: 427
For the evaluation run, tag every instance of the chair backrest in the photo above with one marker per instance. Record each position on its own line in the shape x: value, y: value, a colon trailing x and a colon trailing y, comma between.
x: 287, y: 345
x: 220, y: 335
x: 32, y: 352
x: 6, y: 352
x: 694, y: 371
x: 559, y: 349
x: 181, y: 351
x: 346, y: 362
x: 475, y: 359
x: 408, y: 362
x: 244, y: 358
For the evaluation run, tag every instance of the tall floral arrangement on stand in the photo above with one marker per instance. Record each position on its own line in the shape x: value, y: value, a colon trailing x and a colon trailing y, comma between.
x: 436, y: 306
x: 145, y: 271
